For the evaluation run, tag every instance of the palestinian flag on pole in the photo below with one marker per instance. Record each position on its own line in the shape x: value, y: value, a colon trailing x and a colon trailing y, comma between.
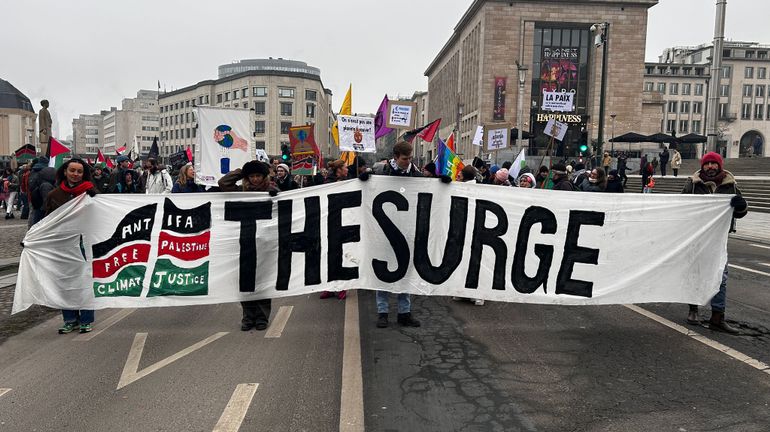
x: 101, y: 159
x: 58, y: 152
x: 426, y: 132
x: 120, y: 150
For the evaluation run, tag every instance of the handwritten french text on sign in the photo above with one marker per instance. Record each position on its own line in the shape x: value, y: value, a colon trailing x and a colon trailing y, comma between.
x: 356, y: 134
x: 401, y: 114
x: 399, y: 234
x: 499, y: 108
x: 556, y: 129
x: 558, y: 101
x: 497, y: 139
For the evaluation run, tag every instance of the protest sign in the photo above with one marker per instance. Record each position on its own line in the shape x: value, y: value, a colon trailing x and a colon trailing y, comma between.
x: 356, y: 134
x: 413, y: 235
x: 478, y: 137
x: 561, y: 101
x: 178, y: 159
x: 223, y: 142
x: 556, y: 129
x: 401, y: 114
x: 497, y: 137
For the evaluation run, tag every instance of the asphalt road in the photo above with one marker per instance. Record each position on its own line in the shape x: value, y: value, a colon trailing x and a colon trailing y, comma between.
x: 500, y: 366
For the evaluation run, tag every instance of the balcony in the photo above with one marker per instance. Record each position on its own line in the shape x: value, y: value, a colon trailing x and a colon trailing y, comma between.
x: 729, y: 117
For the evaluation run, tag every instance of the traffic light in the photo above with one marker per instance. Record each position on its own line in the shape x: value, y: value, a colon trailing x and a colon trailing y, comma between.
x: 285, y: 153
x: 583, y: 148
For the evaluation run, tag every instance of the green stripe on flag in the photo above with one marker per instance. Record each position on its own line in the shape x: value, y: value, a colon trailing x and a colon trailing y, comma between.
x: 169, y: 279
x: 128, y: 283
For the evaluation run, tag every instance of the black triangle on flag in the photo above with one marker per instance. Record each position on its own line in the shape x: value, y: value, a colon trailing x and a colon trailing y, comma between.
x: 154, y: 149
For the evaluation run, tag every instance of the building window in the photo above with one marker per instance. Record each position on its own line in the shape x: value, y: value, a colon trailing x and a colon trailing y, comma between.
x: 674, y: 71
x: 724, y: 90
x: 259, y: 91
x: 260, y: 145
x: 727, y: 71
x: 761, y: 73
x: 286, y: 108
x: 749, y: 54
x: 747, y: 90
x: 187, y: 117
x: 187, y: 104
x: 698, y: 89
x: 194, y: 134
x: 235, y: 105
x: 683, y: 126
x: 670, y: 125
x: 227, y: 96
x: 244, y: 93
x: 749, y: 72
x: 235, y: 94
x: 685, y: 108
x: 285, y: 127
x: 696, y: 126
x: 259, y: 126
x: 697, y: 107
x: 285, y: 92
x: 207, y: 99
x: 187, y: 133
x: 311, y: 95
x: 246, y: 105
x: 219, y: 98
x: 672, y: 107
x: 759, y: 112
x: 662, y: 88
x: 648, y: 86
x: 723, y: 113
x: 674, y: 89
x: 259, y: 108
x: 200, y: 100
x: 176, y: 105
x: 762, y: 54
x: 685, y: 89
x: 746, y: 111
x: 310, y: 110
x: 687, y: 71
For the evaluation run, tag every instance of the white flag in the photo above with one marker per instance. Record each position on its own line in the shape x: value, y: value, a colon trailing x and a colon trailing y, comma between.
x: 518, y: 164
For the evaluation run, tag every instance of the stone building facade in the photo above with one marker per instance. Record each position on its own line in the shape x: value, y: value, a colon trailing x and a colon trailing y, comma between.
x: 17, y: 121
x: 86, y: 130
x: 133, y: 126
x: 277, y: 98
x: 477, y: 72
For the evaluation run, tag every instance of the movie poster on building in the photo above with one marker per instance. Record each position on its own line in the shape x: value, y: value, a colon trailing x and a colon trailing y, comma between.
x: 356, y: 134
x: 497, y: 137
x: 223, y: 142
x: 499, y: 107
x: 559, y: 69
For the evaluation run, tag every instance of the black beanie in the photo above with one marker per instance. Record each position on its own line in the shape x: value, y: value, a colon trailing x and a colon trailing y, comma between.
x: 255, y: 167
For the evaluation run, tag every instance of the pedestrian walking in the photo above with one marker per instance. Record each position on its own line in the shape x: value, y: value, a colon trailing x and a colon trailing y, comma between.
x: 400, y: 165
x: 664, y: 157
x: 676, y: 162
x: 185, y: 182
x: 42, y: 180
x: 73, y: 179
x: 11, y: 189
x: 713, y: 179
x: 623, y: 167
x: 606, y: 161
x: 254, y: 177
x: 647, y: 172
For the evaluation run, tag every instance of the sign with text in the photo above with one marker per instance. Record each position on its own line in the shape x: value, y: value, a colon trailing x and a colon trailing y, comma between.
x: 497, y: 137
x: 401, y: 114
x: 356, y: 134
x: 556, y: 129
x: 558, y: 101
x: 478, y: 137
x: 399, y: 234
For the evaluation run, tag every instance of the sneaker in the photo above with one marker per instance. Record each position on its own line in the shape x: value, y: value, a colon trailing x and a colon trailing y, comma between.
x: 85, y: 328
x: 406, y: 320
x: 246, y: 326
x: 68, y: 328
x: 478, y: 302
x: 382, y: 320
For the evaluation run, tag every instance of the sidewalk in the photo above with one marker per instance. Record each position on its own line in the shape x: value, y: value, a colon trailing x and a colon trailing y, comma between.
x: 753, y: 227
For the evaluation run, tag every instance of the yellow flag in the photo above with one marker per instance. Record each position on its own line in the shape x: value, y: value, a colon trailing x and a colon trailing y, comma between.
x: 347, y: 109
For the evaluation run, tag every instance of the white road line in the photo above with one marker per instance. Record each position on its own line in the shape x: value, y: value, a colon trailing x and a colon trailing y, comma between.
x: 759, y: 246
x: 130, y: 370
x: 4, y: 391
x: 13, y: 226
x: 756, y: 364
x: 279, y: 322
x: 748, y: 269
x: 235, y: 411
x: 104, y: 325
x: 352, y: 395
x: 765, y: 264
x: 8, y: 280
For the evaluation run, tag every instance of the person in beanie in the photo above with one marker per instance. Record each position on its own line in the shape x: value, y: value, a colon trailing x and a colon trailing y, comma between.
x: 100, y: 180
x: 527, y: 180
x: 501, y: 178
x: 118, y: 174
x: 73, y: 179
x: 429, y: 170
x: 560, y: 178
x: 713, y: 179
x: 254, y: 177
x: 469, y: 173
x: 614, y: 184
x: 283, y: 180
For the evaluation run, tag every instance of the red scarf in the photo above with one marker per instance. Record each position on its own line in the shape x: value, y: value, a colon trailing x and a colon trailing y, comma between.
x: 77, y: 190
x: 717, y: 179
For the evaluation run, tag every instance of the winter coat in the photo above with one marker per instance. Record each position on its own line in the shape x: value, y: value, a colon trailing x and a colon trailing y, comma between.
x: 41, y: 183
x: 159, y: 183
x: 676, y: 160
x: 188, y: 187
x: 587, y: 186
x: 564, y: 184
x: 13, y: 183
x: 664, y: 155
x: 58, y: 198
x: 695, y: 185
x: 387, y: 169
x: 228, y: 183
x: 286, y: 184
x: 615, y: 186
x: 102, y: 183
x: 606, y: 160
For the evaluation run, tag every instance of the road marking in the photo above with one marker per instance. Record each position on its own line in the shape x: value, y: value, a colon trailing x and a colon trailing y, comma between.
x: 748, y: 269
x: 756, y: 364
x: 130, y: 370
x: 759, y: 246
x: 279, y: 322
x: 13, y: 226
x: 765, y: 264
x: 352, y: 395
x: 4, y: 391
x: 8, y: 280
x: 104, y: 325
x: 235, y: 411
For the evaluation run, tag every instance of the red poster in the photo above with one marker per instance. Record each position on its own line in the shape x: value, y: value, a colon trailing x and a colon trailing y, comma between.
x: 499, y: 109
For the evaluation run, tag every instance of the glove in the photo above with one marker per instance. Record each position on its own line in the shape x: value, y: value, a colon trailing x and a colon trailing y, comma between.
x: 364, y: 176
x: 273, y: 192
x: 739, y: 203
x: 92, y: 193
x: 445, y: 179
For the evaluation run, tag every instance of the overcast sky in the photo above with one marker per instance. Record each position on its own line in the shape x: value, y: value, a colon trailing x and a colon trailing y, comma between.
x: 86, y: 55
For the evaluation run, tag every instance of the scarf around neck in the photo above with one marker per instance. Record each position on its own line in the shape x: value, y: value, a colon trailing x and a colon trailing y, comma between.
x: 76, y: 190
x: 717, y: 179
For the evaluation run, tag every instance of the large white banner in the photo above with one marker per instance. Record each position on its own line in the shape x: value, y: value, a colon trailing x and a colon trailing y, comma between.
x: 412, y: 235
x: 224, y: 142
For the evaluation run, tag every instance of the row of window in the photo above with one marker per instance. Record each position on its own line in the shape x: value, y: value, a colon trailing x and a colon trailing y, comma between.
x: 284, y: 92
x: 759, y: 111
x: 178, y: 134
x: 746, y: 54
x: 748, y: 72
x: 674, y: 70
x: 684, y: 126
x: 287, y: 109
x: 259, y: 127
x: 684, y: 107
x: 674, y: 88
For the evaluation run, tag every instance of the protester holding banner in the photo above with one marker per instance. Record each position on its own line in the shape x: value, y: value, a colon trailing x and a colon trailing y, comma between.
x: 129, y: 183
x: 560, y: 178
x: 401, y: 165
x: 158, y: 179
x: 283, y: 180
x: 527, y: 180
x: 501, y: 178
x: 100, y: 180
x: 596, y: 181
x: 614, y: 183
x: 73, y: 179
x: 254, y: 177
x: 339, y: 172
x: 429, y: 170
x: 185, y: 182
x: 713, y: 179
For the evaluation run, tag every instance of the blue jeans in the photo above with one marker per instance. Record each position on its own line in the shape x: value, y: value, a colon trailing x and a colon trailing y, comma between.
x: 83, y: 316
x: 383, y: 297
x: 719, y: 300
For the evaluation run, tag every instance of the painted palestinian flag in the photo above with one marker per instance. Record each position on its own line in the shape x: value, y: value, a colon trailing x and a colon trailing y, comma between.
x: 120, y: 262
x: 182, y: 268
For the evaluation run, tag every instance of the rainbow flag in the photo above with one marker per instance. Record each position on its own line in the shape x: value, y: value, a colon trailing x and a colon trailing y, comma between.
x: 447, y: 162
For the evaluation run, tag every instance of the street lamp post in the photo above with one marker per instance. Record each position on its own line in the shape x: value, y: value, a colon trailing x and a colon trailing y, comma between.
x: 603, y: 40
x: 612, y: 145
x: 520, y: 114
